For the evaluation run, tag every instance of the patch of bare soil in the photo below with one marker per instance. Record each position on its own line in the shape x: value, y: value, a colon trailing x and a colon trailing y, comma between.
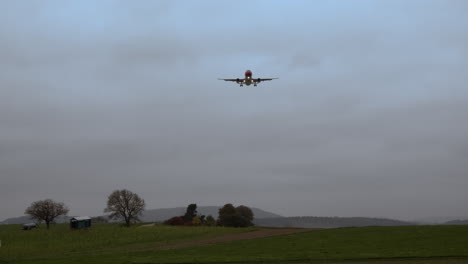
x: 234, y: 237
x: 148, y: 225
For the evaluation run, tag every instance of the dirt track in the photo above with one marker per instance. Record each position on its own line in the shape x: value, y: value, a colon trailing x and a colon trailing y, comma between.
x: 234, y: 237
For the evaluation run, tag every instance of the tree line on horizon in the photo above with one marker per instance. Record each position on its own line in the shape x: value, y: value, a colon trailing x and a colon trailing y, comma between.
x: 128, y: 206
x: 228, y: 215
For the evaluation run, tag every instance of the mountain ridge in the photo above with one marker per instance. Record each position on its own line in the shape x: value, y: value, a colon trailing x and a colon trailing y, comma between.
x: 457, y: 222
x: 328, y: 222
x: 262, y: 218
x: 153, y: 215
x: 162, y: 214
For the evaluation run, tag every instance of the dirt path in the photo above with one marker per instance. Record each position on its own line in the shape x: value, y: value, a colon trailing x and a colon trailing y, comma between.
x: 234, y: 237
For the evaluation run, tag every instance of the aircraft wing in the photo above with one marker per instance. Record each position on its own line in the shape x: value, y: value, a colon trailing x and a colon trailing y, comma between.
x: 231, y: 80
x: 264, y: 79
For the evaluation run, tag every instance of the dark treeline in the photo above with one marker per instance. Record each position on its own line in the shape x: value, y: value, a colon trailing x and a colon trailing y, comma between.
x: 228, y: 215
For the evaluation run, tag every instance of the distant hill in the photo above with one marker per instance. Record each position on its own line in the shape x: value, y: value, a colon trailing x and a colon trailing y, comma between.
x: 26, y: 219
x: 456, y: 222
x: 16, y: 220
x: 261, y: 218
x: 154, y: 215
x: 437, y: 220
x: 160, y: 215
x: 327, y: 222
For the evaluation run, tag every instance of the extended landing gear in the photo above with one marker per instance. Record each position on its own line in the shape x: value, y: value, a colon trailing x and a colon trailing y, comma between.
x: 241, y: 85
x: 255, y: 84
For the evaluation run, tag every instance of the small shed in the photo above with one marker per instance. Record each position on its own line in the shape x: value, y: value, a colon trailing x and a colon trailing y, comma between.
x: 80, y: 222
x: 29, y: 226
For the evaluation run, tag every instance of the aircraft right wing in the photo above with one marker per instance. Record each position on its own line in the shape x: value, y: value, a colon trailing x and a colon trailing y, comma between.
x: 231, y: 80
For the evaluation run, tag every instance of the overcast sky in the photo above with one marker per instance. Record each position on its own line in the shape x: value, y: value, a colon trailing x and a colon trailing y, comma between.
x: 368, y: 118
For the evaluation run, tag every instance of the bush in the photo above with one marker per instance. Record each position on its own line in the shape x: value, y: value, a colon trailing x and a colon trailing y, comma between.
x: 196, y: 221
x: 210, y: 221
x: 175, y: 221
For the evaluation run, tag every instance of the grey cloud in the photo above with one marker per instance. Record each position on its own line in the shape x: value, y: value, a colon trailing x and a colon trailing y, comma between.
x: 364, y: 114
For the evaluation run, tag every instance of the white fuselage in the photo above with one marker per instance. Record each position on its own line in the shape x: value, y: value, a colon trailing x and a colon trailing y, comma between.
x: 247, y: 80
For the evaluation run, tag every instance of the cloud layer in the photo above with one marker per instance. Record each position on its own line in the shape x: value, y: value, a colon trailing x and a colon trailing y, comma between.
x: 367, y: 118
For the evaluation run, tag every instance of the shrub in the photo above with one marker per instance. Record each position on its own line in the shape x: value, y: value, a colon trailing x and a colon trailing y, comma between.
x: 175, y: 221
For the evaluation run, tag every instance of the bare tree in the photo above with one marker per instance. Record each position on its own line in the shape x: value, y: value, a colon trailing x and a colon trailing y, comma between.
x: 46, y: 210
x: 126, y: 205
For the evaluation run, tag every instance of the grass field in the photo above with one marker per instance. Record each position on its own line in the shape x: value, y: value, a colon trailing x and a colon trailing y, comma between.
x: 101, y: 239
x: 110, y: 243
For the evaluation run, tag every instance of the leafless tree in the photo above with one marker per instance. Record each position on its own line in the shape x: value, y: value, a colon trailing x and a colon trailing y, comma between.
x: 46, y: 210
x: 126, y: 205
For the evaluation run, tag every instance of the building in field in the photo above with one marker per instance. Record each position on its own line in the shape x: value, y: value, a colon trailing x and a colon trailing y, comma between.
x: 29, y: 226
x: 80, y: 222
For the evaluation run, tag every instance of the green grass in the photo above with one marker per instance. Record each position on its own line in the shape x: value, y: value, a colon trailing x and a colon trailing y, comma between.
x: 368, y: 243
x: 101, y: 239
x: 110, y: 243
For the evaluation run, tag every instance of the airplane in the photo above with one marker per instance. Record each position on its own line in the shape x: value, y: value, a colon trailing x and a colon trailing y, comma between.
x: 248, y: 80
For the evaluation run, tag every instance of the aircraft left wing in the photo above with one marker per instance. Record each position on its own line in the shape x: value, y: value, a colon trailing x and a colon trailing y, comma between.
x: 264, y: 79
